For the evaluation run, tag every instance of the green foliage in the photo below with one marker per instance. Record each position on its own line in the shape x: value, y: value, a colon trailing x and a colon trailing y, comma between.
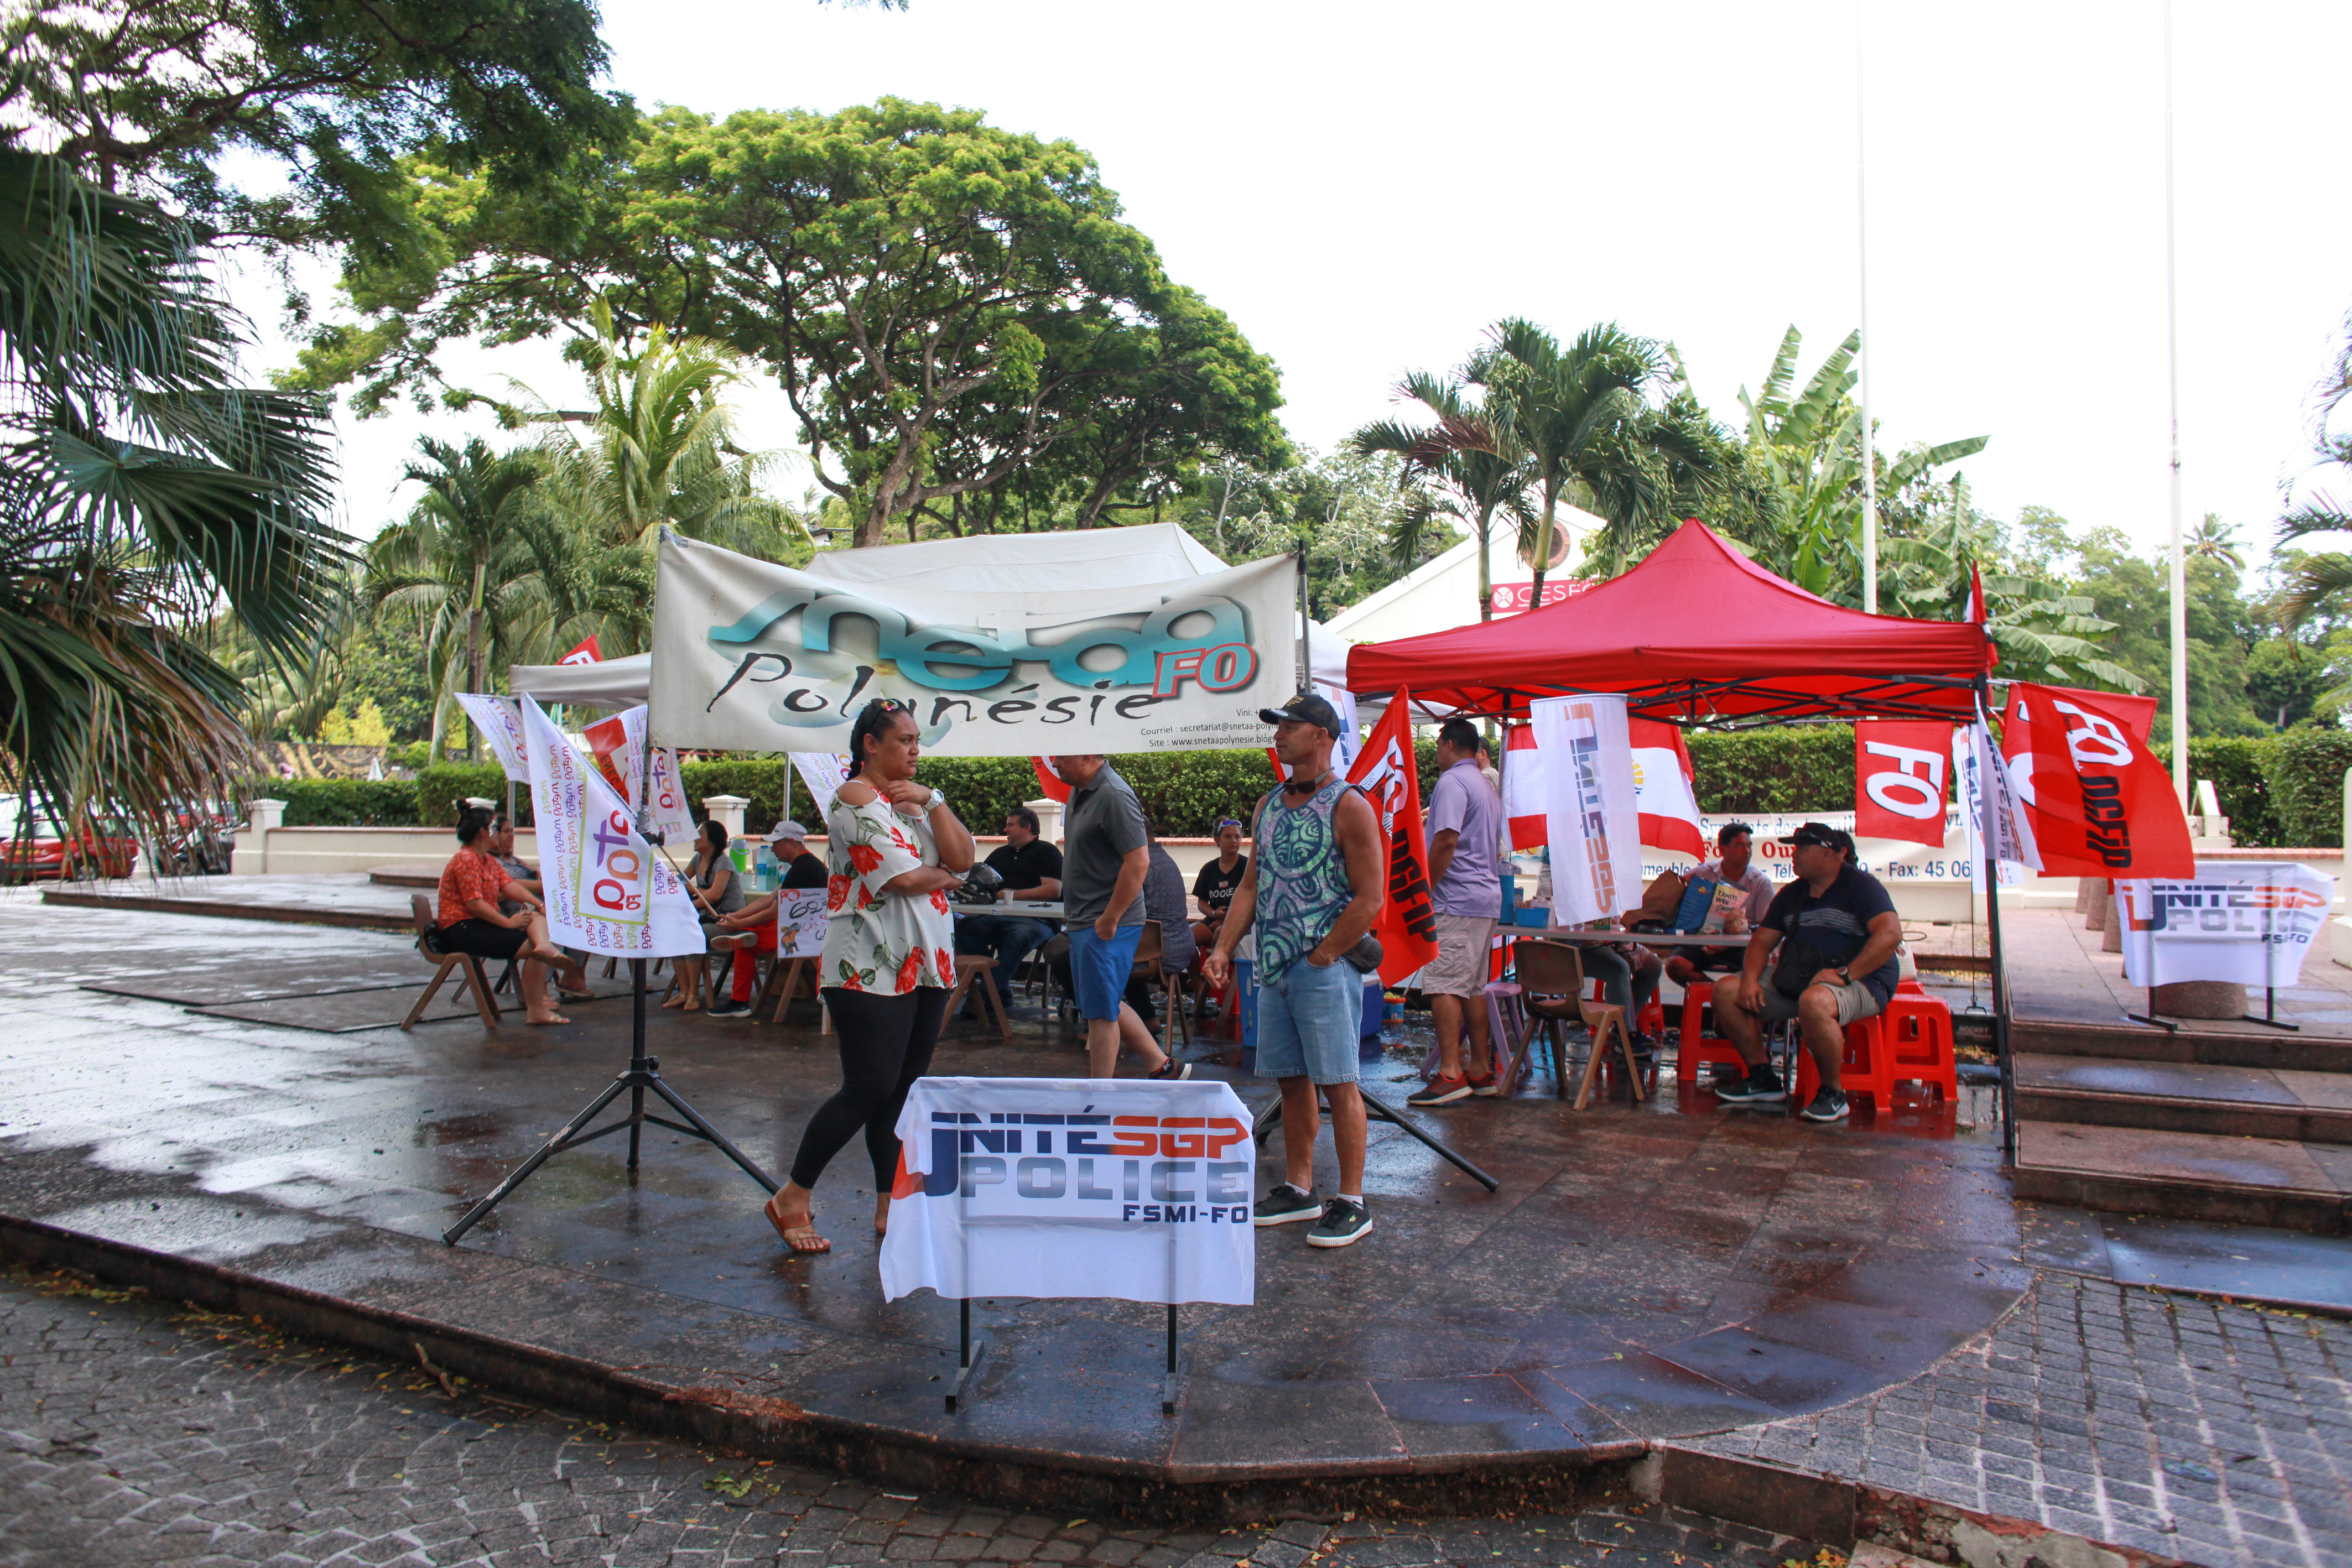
x: 339, y: 802
x: 2131, y: 591
x: 1790, y: 767
x: 759, y: 779
x: 2306, y: 785
x: 2242, y: 768
x: 438, y: 791
x: 1342, y: 507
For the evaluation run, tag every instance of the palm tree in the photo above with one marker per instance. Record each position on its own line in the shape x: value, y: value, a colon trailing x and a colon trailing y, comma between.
x: 463, y: 562
x: 141, y: 490
x: 1580, y: 418
x: 1463, y: 455
x: 2216, y: 541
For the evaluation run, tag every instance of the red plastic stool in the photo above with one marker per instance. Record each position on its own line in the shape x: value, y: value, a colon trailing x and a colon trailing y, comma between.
x: 1910, y: 1041
x: 1695, y: 1048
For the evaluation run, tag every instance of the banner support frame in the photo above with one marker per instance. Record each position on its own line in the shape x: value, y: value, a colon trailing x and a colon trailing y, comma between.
x: 1985, y: 846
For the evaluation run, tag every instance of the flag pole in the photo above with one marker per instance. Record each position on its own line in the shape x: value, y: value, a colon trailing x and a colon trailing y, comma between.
x: 2173, y: 388
x: 1862, y: 254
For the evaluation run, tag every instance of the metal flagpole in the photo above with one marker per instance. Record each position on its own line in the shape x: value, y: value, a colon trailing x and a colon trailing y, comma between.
x: 1861, y: 253
x: 1306, y: 668
x: 2172, y: 390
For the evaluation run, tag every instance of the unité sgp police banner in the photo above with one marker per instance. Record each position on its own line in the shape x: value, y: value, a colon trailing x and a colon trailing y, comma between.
x: 1060, y: 1186
x: 752, y: 657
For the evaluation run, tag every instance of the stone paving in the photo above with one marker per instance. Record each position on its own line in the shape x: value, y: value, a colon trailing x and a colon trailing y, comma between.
x: 2177, y: 1424
x: 134, y: 1432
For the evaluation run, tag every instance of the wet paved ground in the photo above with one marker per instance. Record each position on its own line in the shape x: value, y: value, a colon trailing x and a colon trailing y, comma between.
x: 1642, y: 1272
x: 135, y: 1432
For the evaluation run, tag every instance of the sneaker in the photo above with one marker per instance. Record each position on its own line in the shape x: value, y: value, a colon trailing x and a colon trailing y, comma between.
x: 730, y: 1009
x: 1442, y: 1090
x: 1171, y: 1071
x: 1828, y: 1106
x: 1286, y: 1203
x: 1343, y: 1223
x: 1485, y: 1085
x: 1760, y: 1087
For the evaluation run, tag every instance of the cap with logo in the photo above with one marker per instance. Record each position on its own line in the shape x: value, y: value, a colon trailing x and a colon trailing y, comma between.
x: 1306, y: 707
x: 1821, y: 833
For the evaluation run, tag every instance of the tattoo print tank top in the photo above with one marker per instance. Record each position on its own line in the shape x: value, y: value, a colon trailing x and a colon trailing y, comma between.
x: 1302, y: 878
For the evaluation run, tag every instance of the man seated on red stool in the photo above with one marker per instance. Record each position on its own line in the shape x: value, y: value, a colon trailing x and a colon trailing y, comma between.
x: 1840, y: 931
x: 754, y: 924
x: 1734, y: 862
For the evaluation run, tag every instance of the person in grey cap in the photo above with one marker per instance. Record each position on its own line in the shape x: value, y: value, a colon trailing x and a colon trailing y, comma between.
x: 1317, y: 884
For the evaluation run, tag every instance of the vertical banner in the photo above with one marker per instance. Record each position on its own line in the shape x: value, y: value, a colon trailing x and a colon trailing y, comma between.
x: 1591, y: 821
x: 2251, y: 922
x: 1988, y: 809
x: 1052, y: 1187
x: 2096, y: 801
x: 607, y: 890
x: 618, y: 744
x: 1898, y: 774
x: 824, y: 772
x: 1386, y: 772
x: 499, y: 723
x: 1523, y: 786
x: 1663, y: 801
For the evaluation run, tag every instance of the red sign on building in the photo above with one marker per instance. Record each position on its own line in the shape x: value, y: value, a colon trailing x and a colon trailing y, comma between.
x: 1515, y: 598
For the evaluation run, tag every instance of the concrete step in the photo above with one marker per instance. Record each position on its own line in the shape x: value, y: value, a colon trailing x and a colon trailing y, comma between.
x: 2186, y: 1175
x: 2186, y: 1097
x: 404, y: 876
x: 2237, y: 1045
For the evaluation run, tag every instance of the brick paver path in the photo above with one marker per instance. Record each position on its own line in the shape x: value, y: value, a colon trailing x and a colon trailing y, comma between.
x: 133, y: 1432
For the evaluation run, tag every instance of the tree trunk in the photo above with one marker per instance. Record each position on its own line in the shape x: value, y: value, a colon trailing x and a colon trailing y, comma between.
x: 1485, y: 565
x: 1543, y: 555
x: 474, y: 656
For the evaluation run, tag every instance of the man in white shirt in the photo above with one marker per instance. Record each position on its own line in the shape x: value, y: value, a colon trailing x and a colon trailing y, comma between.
x: 1735, y: 863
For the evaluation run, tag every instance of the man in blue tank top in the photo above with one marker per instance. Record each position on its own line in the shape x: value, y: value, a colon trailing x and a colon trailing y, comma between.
x: 1317, y: 879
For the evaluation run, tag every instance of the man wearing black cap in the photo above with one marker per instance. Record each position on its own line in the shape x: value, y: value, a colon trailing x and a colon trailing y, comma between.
x: 1316, y: 887
x: 1837, y: 930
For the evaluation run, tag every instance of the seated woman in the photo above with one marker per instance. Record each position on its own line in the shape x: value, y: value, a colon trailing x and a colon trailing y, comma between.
x: 1217, y: 881
x: 718, y: 892
x: 471, y: 921
x: 571, y: 982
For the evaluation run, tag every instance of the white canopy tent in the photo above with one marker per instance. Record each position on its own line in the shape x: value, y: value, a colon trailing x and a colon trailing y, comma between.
x: 1443, y: 592
x: 613, y: 683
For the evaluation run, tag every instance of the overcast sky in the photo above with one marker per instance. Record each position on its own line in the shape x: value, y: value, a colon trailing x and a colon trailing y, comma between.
x: 1364, y: 187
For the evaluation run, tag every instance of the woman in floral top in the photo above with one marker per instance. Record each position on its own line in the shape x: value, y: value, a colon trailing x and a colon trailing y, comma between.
x: 895, y: 852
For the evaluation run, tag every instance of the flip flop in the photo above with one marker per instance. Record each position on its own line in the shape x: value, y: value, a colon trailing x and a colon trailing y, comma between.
x: 570, y: 995
x: 799, y: 1237
x: 543, y: 1023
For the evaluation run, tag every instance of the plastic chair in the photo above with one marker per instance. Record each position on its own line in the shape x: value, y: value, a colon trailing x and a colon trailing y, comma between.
x: 1552, y: 987
x: 1695, y: 1048
x: 1911, y: 1041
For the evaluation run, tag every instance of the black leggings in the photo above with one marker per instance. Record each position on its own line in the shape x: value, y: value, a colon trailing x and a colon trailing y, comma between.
x: 886, y: 1045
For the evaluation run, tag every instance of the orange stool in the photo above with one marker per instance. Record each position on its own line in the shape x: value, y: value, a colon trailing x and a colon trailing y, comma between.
x: 1695, y: 1048
x: 1910, y: 1041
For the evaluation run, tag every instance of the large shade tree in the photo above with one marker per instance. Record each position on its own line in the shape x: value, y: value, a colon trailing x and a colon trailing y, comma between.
x: 141, y: 490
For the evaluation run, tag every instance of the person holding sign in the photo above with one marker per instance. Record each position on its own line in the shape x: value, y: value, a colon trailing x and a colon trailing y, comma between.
x: 1321, y: 878
x: 895, y: 849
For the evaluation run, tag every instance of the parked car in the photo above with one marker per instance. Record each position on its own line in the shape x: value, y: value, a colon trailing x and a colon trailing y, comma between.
x: 40, y: 850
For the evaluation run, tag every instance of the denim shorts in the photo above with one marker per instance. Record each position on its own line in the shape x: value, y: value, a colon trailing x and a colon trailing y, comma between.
x: 1307, y: 1022
x: 1098, y: 969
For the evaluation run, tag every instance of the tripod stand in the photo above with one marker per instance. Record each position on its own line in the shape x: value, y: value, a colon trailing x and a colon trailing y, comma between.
x: 1271, y: 1118
x: 642, y: 1074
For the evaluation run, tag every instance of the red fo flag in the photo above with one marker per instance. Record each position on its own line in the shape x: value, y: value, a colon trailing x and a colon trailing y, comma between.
x: 2137, y: 714
x: 1386, y: 772
x: 1898, y: 773
x: 1050, y: 782
x: 586, y: 653
x: 2098, y: 801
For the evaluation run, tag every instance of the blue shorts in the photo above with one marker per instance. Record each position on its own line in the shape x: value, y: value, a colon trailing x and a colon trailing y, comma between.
x: 1307, y: 1022
x: 1098, y: 969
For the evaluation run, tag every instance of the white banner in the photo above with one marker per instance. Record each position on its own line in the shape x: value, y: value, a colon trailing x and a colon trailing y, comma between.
x: 619, y: 745
x: 1984, y: 812
x: 757, y: 657
x: 801, y: 919
x: 2251, y: 922
x: 1053, y: 1186
x: 501, y: 723
x: 823, y: 773
x: 1891, y: 861
x: 1592, y: 819
x: 607, y: 890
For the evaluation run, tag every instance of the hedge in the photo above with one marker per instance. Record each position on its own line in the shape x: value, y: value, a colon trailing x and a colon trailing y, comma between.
x: 440, y: 789
x: 1763, y: 772
x: 341, y: 802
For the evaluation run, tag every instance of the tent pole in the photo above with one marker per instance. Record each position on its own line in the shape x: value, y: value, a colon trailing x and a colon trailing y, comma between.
x: 1306, y: 665
x: 1992, y: 932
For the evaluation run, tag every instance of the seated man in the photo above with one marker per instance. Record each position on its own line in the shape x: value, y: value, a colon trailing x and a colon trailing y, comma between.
x: 753, y: 926
x: 1733, y: 864
x: 1838, y: 933
x: 1032, y: 870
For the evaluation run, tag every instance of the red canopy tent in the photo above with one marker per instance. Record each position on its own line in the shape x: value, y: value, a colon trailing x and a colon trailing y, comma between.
x: 1696, y: 632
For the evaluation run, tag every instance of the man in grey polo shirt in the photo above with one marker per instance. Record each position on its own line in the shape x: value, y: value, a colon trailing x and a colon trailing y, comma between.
x: 1106, y: 854
x: 1466, y: 886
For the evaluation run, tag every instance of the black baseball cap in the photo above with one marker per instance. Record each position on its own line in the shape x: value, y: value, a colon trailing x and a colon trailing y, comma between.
x: 1821, y: 833
x: 1306, y: 707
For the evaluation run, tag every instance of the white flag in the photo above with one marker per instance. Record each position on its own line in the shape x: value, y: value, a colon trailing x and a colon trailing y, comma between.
x: 619, y: 745
x: 607, y: 890
x: 824, y: 772
x: 501, y: 723
x: 1988, y: 807
x: 1592, y: 821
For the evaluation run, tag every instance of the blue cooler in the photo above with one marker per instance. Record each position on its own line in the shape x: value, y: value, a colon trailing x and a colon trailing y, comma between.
x: 1368, y: 1018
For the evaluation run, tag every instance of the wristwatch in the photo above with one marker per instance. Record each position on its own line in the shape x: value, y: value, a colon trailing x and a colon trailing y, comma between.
x: 1844, y: 975
x: 939, y: 799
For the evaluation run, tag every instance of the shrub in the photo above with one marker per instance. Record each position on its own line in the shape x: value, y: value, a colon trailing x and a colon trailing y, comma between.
x: 338, y: 803
x: 2306, y: 785
x: 2240, y: 768
x: 438, y: 790
x: 1759, y: 772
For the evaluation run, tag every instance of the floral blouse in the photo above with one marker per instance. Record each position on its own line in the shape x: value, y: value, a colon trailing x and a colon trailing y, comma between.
x: 884, y: 944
